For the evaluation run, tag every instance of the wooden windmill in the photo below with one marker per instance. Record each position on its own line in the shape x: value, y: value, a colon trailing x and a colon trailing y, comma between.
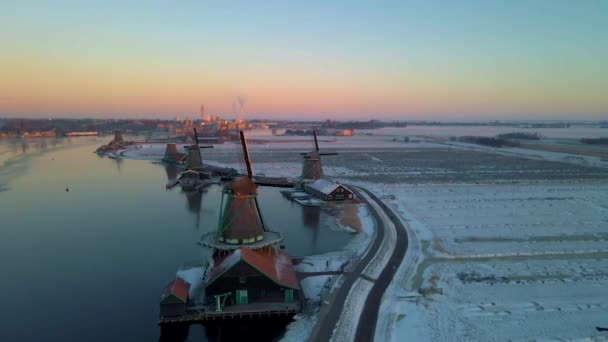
x: 193, y: 159
x: 311, y: 168
x: 241, y: 222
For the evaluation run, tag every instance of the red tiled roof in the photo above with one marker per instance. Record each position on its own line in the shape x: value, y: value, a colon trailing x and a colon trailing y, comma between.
x: 275, y: 265
x: 178, y: 287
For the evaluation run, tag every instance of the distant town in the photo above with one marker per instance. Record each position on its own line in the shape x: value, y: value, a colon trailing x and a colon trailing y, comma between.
x: 213, y: 126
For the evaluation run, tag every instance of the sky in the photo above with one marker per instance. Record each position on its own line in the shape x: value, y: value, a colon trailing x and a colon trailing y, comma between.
x: 465, y: 59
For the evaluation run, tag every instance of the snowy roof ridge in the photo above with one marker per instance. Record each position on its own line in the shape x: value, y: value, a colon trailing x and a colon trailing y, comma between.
x: 324, y: 185
x: 277, y: 266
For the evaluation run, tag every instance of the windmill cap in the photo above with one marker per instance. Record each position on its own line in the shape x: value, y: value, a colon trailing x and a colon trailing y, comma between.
x: 242, y: 186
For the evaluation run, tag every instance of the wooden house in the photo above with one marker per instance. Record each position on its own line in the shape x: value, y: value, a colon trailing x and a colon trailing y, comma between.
x: 174, y: 298
x: 328, y: 190
x: 254, y: 276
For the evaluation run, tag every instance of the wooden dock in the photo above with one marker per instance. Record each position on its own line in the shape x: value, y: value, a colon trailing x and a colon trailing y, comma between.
x: 251, y: 310
x: 280, y: 182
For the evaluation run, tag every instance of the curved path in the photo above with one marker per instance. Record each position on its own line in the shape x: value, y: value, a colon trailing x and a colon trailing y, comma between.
x: 374, y: 299
x: 331, y: 314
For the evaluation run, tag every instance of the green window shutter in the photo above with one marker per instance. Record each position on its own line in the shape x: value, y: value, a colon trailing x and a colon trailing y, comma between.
x: 241, y: 297
x: 289, y: 295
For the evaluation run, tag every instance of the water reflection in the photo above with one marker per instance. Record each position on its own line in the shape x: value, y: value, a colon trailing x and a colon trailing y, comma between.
x: 349, y: 215
x: 172, y: 172
x: 24, y: 147
x: 311, y: 217
x: 194, y: 198
x: 239, y: 330
x: 16, y: 147
x: 118, y: 162
x: 122, y: 212
x: 195, y: 205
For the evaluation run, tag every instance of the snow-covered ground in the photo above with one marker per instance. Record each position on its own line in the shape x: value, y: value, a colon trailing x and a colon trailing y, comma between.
x: 535, y: 154
x: 501, y: 262
x: 573, y: 132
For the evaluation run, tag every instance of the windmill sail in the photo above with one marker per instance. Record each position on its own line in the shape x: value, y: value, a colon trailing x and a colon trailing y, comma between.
x: 311, y: 168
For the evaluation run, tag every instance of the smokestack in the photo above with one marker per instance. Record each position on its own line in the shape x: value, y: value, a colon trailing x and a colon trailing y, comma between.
x: 241, y: 101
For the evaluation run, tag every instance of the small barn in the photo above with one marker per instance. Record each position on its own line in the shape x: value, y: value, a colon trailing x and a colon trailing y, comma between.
x: 174, y: 298
x: 263, y: 275
x: 328, y: 190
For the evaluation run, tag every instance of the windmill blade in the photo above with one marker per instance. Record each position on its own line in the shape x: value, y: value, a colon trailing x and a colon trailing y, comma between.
x: 328, y: 154
x: 246, y: 155
x: 314, y: 133
x: 209, y: 146
x: 257, y: 206
x: 195, y: 136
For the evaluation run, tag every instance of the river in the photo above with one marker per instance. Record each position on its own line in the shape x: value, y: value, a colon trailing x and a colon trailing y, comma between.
x: 88, y: 243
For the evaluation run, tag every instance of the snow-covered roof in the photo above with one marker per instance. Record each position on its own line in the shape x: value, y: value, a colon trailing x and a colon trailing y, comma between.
x: 325, y: 186
x: 178, y: 287
x: 275, y: 265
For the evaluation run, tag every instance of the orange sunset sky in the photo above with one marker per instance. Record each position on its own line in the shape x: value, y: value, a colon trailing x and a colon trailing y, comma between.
x: 338, y: 60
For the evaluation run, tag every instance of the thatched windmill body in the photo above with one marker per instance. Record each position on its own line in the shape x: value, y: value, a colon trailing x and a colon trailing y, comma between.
x: 194, y: 176
x: 193, y: 159
x: 311, y: 167
x: 241, y: 223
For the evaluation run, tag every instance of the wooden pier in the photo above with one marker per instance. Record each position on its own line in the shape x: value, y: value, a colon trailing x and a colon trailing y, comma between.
x: 280, y: 182
x: 251, y: 310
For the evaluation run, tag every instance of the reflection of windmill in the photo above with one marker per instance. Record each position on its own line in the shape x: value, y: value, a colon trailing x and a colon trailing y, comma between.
x: 118, y: 163
x: 241, y: 222
x: 311, y: 168
x: 193, y: 158
x: 195, y: 203
x: 312, y: 217
x: 172, y: 172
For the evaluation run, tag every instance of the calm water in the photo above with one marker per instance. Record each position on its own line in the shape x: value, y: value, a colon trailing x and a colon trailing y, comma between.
x: 89, y: 264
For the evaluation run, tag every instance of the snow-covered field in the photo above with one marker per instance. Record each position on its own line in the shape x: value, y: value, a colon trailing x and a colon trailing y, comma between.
x: 573, y: 132
x: 501, y: 262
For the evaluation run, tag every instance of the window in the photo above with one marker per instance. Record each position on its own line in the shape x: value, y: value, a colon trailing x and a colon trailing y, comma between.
x: 241, y: 297
x: 288, y: 295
